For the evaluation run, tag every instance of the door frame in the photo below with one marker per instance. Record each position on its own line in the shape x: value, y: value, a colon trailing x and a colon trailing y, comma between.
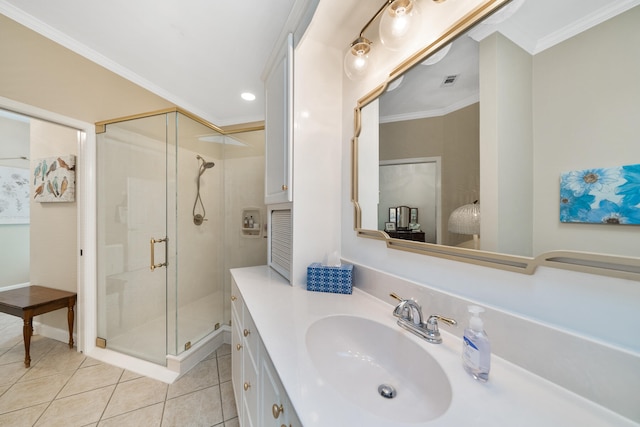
x: 437, y: 160
x: 86, y: 217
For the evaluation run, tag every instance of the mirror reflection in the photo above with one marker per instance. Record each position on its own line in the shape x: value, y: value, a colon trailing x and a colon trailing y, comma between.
x: 534, y: 91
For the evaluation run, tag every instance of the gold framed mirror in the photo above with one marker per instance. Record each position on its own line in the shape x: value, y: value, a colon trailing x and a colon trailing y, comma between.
x: 613, y: 23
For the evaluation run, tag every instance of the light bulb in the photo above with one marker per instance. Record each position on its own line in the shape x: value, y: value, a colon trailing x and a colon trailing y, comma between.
x: 396, y: 24
x: 356, y: 61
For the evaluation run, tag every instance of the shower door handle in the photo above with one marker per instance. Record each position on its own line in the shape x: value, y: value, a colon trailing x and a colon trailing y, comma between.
x: 153, y: 265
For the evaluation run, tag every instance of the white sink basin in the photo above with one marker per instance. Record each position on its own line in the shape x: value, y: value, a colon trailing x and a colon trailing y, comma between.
x: 355, y: 356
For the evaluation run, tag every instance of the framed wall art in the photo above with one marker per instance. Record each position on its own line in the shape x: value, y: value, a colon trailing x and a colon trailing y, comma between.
x: 601, y: 195
x: 14, y: 195
x: 54, y: 179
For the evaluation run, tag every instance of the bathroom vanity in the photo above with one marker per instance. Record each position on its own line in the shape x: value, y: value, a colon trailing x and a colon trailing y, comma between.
x: 315, y: 359
x: 259, y: 394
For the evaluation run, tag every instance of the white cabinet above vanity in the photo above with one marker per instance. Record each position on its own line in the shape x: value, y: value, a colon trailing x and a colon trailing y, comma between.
x: 279, y: 127
x: 310, y: 352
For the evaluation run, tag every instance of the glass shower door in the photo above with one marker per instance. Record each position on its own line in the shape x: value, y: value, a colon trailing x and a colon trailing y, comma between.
x: 132, y: 232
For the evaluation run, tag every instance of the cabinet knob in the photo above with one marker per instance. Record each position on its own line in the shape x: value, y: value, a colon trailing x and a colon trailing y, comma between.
x: 238, y: 347
x: 284, y: 187
x: 233, y: 298
x: 246, y: 332
x: 246, y: 386
x: 276, y: 410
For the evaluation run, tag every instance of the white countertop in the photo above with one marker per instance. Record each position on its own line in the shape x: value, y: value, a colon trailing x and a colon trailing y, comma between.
x: 512, y: 397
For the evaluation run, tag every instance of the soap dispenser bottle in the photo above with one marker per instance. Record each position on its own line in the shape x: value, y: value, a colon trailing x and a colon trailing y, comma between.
x: 476, y: 350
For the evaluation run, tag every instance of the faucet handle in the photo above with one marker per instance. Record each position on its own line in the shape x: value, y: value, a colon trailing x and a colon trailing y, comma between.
x: 432, y: 323
x: 403, y: 309
x: 433, y: 333
x: 447, y: 320
x: 407, y: 309
x: 396, y: 297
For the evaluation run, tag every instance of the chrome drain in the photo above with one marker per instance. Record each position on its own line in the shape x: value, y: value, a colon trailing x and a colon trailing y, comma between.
x: 387, y: 391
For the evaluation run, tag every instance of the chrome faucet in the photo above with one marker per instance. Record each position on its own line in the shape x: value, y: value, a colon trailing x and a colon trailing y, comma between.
x: 409, y: 314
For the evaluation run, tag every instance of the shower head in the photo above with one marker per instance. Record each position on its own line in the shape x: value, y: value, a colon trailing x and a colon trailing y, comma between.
x: 205, y: 165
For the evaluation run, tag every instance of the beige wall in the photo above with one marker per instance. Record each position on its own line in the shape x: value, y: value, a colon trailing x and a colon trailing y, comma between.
x: 506, y: 147
x: 244, y: 188
x: 54, y: 246
x: 454, y: 138
x: 586, y: 115
x: 573, y: 106
x: 41, y: 73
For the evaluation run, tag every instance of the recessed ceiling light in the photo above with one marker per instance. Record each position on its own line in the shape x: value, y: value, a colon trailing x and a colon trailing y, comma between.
x: 248, y: 96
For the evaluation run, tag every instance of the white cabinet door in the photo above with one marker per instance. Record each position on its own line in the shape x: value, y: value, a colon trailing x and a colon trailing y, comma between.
x: 273, y: 407
x: 276, y: 409
x: 279, y: 127
x: 236, y: 361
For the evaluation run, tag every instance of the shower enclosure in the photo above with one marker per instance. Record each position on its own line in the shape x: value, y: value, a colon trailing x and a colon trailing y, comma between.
x: 160, y: 258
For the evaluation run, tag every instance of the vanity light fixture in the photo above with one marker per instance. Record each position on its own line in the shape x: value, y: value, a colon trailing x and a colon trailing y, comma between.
x: 395, y: 27
x: 397, y: 23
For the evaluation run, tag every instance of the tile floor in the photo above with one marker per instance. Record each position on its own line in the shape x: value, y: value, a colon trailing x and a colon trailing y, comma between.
x: 65, y: 388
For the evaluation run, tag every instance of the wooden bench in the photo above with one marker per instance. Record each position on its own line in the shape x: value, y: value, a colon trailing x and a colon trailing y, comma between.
x: 31, y: 301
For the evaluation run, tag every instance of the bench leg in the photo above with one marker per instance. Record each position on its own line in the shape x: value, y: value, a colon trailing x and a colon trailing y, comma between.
x: 27, y: 331
x: 70, y: 320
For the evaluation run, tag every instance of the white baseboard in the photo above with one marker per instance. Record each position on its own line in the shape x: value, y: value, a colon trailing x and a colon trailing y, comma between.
x: 10, y: 287
x: 183, y: 362
x: 176, y: 365
x: 57, y: 334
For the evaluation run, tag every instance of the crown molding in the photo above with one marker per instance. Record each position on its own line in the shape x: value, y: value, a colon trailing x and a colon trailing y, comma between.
x: 584, y: 24
x: 83, y: 50
x: 432, y: 113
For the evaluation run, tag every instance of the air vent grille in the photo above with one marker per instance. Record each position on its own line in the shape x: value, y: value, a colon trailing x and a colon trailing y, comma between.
x: 281, y: 241
x: 450, y: 80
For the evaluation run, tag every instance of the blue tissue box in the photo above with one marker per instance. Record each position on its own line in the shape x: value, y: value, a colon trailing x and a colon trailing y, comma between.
x: 321, y: 278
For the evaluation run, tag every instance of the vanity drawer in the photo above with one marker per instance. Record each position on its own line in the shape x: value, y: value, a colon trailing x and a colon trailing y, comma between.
x: 250, y: 390
x: 236, y: 300
x: 250, y: 334
x: 237, y: 351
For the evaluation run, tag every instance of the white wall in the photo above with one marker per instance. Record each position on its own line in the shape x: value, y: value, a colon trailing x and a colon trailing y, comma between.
x: 316, y: 154
x: 14, y: 238
x: 368, y: 165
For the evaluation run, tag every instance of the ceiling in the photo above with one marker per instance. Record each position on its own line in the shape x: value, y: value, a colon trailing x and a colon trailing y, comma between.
x: 200, y: 55
x: 534, y: 25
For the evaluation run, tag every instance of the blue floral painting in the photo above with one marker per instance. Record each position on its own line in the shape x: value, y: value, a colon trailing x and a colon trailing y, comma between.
x: 601, y: 195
